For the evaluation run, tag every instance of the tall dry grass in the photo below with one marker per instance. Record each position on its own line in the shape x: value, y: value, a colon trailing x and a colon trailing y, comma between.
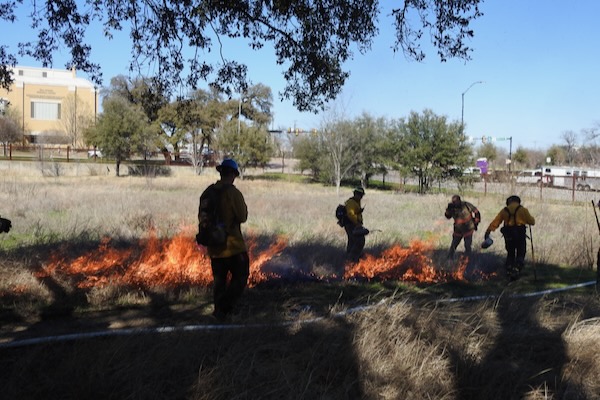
x: 509, y: 349
x: 409, y: 346
x: 70, y: 207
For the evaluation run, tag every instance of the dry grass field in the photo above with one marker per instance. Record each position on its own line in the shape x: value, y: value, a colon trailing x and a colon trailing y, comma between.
x: 104, y: 295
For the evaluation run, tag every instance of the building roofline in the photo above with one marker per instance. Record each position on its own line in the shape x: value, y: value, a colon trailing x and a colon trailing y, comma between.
x: 55, y: 77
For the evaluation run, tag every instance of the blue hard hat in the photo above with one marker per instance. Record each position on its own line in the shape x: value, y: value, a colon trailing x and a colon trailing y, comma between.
x: 229, y: 163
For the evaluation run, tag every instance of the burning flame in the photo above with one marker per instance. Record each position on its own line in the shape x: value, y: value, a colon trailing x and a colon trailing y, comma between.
x: 171, y: 262
x: 406, y: 264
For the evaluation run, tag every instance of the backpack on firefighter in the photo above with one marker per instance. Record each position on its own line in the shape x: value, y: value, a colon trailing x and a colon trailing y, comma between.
x: 211, y: 230
x: 341, y: 215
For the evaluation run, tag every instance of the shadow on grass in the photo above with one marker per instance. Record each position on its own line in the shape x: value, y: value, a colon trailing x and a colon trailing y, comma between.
x: 303, y: 277
x: 182, y: 364
x: 526, y: 360
x: 271, y: 360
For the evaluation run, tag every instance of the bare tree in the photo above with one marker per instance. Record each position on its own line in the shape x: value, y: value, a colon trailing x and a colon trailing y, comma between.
x: 336, y: 137
x: 591, y: 150
x: 10, y: 129
x: 76, y: 119
x: 570, y: 139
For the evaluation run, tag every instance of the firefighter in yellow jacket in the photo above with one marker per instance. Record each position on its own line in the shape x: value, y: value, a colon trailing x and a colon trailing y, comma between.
x: 355, y: 231
x: 232, y: 256
x: 515, y: 218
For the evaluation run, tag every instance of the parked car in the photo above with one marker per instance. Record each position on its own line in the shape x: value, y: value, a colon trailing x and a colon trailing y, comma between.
x: 94, y: 153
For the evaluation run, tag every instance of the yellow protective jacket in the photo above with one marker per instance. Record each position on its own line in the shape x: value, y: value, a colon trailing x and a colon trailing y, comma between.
x: 233, y: 212
x: 354, y: 211
x: 512, y: 215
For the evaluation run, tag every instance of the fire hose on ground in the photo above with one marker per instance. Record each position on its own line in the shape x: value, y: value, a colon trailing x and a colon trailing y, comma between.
x: 220, y: 327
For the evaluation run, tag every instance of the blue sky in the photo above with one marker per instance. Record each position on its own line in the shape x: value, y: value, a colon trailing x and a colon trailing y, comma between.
x: 538, y: 60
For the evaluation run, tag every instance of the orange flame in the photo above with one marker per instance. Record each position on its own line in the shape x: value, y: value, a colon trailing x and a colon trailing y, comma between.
x: 171, y: 262
x: 155, y: 262
x: 406, y: 264
x: 259, y: 259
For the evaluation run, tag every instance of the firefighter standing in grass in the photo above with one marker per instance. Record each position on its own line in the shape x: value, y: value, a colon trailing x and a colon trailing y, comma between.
x: 232, y: 257
x: 5, y: 225
x: 466, y: 218
x: 355, y: 231
x: 515, y: 218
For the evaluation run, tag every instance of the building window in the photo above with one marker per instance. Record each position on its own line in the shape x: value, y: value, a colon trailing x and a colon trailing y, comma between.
x: 45, y: 110
x: 20, y: 72
x: 44, y: 74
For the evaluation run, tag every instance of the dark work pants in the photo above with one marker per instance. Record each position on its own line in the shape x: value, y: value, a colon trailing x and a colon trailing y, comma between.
x: 227, y: 295
x: 456, y: 241
x: 355, y: 245
x: 515, y: 240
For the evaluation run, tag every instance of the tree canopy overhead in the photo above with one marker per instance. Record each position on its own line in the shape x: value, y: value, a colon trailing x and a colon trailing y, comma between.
x: 312, y: 39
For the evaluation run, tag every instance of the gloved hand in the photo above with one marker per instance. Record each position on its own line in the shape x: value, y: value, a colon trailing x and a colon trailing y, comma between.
x: 487, y: 235
x: 360, y: 231
x: 5, y: 225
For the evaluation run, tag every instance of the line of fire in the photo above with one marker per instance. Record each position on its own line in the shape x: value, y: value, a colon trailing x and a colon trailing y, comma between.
x: 178, y: 261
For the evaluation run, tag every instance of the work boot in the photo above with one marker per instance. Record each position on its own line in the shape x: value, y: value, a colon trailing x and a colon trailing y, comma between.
x: 520, y: 264
x: 219, y: 315
x: 512, y: 273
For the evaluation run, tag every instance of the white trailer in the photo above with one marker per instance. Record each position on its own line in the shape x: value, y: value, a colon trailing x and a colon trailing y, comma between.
x: 587, y: 179
x: 557, y: 176
x: 529, y: 177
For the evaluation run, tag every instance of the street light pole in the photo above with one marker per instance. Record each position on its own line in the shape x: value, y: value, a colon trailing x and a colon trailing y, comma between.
x: 510, y: 154
x: 462, y: 111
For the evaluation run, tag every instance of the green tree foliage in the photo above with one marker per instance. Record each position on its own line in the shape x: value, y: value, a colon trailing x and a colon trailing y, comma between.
x: 370, y: 138
x: 432, y: 149
x: 312, y: 41
x: 557, y: 155
x: 121, y: 129
x: 520, y: 156
x: 172, y: 118
x: 148, y: 93
x: 426, y: 146
x: 344, y: 149
x: 251, y: 148
x: 257, y: 105
x: 205, y: 116
x: 190, y: 121
x: 489, y: 151
x: 309, y: 154
x: 256, y: 147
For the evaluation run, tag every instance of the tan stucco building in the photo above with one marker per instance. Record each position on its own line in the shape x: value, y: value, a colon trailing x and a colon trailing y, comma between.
x: 53, y: 105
